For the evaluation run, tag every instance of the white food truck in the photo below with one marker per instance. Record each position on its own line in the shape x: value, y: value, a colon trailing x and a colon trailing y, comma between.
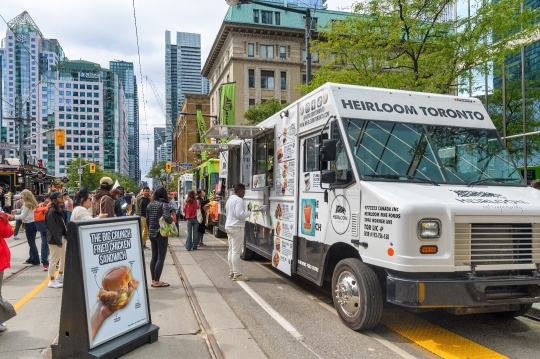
x: 185, y: 184
x: 391, y: 195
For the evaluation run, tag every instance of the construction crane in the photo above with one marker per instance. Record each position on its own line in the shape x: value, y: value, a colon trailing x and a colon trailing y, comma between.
x: 156, y: 93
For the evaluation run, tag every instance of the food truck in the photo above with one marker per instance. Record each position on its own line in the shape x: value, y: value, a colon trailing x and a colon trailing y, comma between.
x: 185, y: 184
x: 397, y: 196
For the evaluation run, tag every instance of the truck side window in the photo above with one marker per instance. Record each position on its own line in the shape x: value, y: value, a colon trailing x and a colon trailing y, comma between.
x: 341, y: 165
x: 246, y: 163
x: 312, y: 154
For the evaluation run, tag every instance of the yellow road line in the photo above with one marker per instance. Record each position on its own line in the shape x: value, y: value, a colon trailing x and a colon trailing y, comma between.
x: 437, y: 340
x: 30, y: 295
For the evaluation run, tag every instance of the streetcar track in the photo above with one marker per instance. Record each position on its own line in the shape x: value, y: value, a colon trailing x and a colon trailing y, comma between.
x: 14, y: 274
x: 532, y: 317
x: 15, y: 245
x: 211, y: 341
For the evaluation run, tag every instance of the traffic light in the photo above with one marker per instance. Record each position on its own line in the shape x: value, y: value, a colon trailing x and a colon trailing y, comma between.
x: 92, y: 168
x: 60, y: 138
x: 168, y: 167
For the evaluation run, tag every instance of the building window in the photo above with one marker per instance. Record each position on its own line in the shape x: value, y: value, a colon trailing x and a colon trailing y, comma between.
x: 251, y: 50
x: 283, y: 80
x: 68, y: 86
x: 304, y: 80
x: 251, y: 78
x: 266, y: 17
x: 283, y: 52
x: 267, y: 80
x: 278, y: 18
x: 267, y: 51
x: 256, y: 16
x: 251, y: 102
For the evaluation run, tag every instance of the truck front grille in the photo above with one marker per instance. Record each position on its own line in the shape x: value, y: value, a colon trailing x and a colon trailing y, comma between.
x: 496, y: 244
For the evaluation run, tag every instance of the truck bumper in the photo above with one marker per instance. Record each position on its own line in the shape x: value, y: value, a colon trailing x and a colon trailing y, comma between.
x: 479, y: 292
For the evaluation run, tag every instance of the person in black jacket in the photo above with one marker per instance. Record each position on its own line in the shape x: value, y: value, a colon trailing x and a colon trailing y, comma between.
x: 56, y: 220
x: 158, y: 208
x: 202, y: 227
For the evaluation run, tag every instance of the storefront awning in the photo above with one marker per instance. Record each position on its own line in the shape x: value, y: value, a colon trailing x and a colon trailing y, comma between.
x: 232, y: 132
x: 203, y: 147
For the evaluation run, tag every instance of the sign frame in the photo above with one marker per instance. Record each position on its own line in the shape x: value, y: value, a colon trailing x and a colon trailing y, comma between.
x: 74, y: 332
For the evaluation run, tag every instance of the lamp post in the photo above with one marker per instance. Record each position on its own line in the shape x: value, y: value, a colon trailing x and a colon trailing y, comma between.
x: 306, y: 12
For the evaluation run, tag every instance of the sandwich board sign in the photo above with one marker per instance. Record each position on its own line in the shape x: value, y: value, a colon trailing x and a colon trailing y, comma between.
x: 105, y: 306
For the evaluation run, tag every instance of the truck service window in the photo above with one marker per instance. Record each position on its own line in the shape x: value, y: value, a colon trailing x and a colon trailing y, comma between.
x: 263, y: 158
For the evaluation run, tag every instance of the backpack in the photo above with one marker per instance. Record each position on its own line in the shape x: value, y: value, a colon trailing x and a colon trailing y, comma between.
x: 39, y: 216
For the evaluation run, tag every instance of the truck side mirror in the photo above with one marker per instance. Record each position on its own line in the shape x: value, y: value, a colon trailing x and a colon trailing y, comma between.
x: 328, y: 150
x: 328, y: 176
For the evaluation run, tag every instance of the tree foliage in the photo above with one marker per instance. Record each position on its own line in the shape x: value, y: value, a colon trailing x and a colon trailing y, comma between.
x: 91, y: 180
x: 161, y: 178
x: 261, y: 111
x: 412, y: 48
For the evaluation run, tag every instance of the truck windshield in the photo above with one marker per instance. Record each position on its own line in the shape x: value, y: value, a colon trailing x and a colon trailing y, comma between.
x: 404, y: 151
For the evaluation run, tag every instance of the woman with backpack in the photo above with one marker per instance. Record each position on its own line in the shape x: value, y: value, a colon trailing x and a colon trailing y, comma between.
x: 156, y: 209
x: 27, y: 217
x: 190, y: 210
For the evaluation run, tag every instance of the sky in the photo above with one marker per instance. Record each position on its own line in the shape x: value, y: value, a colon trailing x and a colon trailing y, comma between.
x: 100, y: 31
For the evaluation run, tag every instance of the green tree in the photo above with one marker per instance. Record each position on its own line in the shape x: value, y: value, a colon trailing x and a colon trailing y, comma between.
x: 405, y: 44
x: 158, y: 174
x: 261, y: 111
x: 514, y: 116
x: 91, y: 180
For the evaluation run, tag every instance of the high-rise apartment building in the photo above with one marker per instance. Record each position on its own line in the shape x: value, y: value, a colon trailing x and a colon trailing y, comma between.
x: 125, y: 73
x: 205, y: 86
x: 27, y: 56
x: 159, y: 139
x: 182, y: 76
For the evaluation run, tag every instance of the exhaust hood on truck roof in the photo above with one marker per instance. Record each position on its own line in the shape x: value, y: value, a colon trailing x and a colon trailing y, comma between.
x: 232, y: 132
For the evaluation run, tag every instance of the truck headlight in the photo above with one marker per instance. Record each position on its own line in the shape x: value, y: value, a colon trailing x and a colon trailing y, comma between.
x: 429, y: 229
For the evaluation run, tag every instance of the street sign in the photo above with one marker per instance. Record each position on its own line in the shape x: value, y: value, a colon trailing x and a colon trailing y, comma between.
x: 29, y: 147
x: 186, y: 165
x: 8, y: 146
x: 79, y: 171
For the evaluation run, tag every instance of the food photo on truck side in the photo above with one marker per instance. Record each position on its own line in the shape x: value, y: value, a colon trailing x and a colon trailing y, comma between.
x: 397, y: 196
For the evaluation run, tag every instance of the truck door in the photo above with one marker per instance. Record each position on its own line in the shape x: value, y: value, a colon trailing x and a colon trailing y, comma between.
x: 312, y: 210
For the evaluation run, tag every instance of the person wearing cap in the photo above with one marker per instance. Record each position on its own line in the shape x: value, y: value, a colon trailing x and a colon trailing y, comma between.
x: 103, y: 202
x: 56, y: 219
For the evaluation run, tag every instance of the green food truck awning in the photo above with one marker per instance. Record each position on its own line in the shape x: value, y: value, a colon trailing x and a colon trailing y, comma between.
x: 241, y: 132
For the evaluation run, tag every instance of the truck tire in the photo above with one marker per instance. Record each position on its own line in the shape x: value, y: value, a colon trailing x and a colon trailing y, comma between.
x: 218, y: 233
x: 357, y: 294
x: 523, y: 308
x: 247, y: 254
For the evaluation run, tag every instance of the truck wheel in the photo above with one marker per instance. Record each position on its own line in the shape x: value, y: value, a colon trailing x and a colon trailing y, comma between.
x: 217, y: 232
x: 523, y: 308
x: 357, y: 294
x: 247, y: 254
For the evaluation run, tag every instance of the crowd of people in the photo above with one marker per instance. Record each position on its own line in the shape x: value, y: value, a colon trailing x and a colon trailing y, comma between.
x: 49, y: 215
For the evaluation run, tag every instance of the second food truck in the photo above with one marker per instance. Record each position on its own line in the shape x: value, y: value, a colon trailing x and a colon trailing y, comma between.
x: 390, y: 195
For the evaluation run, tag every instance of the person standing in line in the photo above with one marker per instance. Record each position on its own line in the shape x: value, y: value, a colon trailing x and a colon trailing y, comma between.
x: 234, y: 226
x: 202, y: 226
x: 6, y: 309
x: 190, y: 211
x: 39, y: 220
x: 56, y: 237
x: 18, y: 223
x: 81, y: 203
x: 128, y: 198
x: 158, y: 208
x: 103, y: 202
x: 142, y: 204
x: 68, y: 205
x: 27, y: 217
x: 174, y: 208
x: 118, y: 212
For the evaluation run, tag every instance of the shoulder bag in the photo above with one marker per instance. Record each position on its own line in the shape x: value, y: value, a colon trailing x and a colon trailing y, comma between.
x: 200, y: 218
x: 167, y: 229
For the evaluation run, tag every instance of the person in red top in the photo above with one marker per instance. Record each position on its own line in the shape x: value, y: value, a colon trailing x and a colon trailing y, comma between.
x: 6, y: 309
x: 190, y: 210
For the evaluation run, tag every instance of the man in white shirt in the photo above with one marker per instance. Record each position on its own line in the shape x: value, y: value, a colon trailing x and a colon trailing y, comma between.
x: 234, y: 226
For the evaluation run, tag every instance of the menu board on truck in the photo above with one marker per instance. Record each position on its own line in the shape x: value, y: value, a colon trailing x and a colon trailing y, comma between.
x: 114, y: 282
